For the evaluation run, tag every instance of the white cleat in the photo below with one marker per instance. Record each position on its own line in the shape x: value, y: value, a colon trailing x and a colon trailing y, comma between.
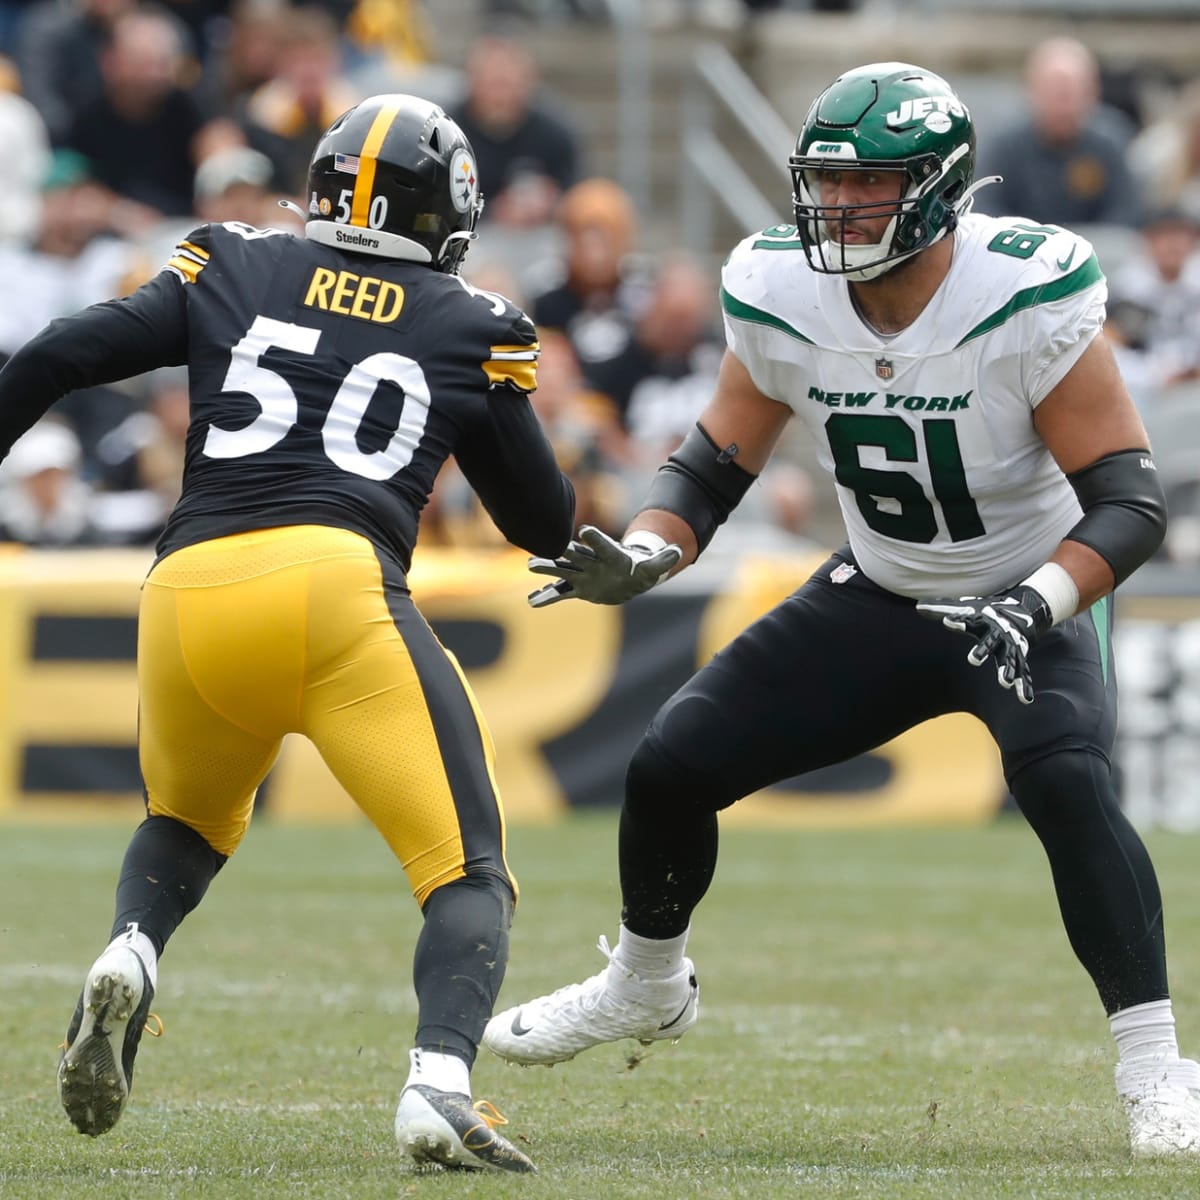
x: 447, y: 1129
x: 607, y: 1007
x: 1162, y: 1103
x: 95, y: 1072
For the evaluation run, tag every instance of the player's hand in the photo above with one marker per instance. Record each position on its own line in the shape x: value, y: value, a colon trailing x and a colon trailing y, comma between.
x: 600, y: 570
x: 1004, y: 626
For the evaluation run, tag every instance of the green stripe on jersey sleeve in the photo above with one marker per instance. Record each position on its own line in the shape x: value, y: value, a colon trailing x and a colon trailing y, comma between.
x: 741, y: 311
x: 1084, y: 276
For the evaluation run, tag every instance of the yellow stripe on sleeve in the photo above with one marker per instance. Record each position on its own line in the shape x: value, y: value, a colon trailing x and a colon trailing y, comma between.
x: 514, y: 364
x: 186, y: 267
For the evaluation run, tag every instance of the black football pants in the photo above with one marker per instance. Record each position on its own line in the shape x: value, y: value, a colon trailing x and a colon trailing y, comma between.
x: 838, y: 669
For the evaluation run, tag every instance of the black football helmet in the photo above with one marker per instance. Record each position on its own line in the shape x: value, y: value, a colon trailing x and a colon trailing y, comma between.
x: 395, y: 177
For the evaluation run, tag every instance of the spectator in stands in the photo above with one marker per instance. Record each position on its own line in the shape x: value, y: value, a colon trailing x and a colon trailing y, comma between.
x: 526, y: 152
x: 580, y: 424
x: 201, y: 23
x: 24, y: 163
x: 577, y: 422
x: 59, y: 53
x: 666, y: 374
x: 246, y: 56
x: 284, y: 117
x: 1154, y: 305
x: 1065, y: 163
x: 140, y: 462
x: 142, y: 134
x: 598, y: 289
x: 1165, y: 156
x: 776, y: 519
x: 43, y: 499
x: 73, y: 259
x: 232, y: 185
x: 398, y: 30
x: 13, y: 14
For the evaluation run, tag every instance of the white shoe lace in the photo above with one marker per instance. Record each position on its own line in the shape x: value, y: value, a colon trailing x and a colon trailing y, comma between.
x: 588, y: 994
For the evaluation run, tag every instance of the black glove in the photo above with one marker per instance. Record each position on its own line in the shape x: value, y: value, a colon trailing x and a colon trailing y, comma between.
x: 1004, y: 625
x: 595, y: 567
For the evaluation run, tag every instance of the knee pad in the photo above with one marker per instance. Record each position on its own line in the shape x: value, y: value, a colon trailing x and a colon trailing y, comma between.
x: 1061, y: 790
x: 654, y: 778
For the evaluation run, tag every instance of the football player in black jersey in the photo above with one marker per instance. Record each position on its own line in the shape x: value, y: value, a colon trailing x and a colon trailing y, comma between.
x: 331, y: 375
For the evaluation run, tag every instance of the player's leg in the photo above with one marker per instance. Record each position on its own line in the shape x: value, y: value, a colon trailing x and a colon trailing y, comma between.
x: 1057, y: 761
x: 394, y: 719
x: 835, y: 670
x: 201, y: 765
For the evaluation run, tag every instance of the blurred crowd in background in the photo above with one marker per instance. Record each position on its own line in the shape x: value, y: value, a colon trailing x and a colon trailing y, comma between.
x: 124, y: 125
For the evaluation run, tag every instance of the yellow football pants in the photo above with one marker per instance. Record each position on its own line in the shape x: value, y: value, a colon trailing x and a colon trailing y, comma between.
x: 308, y: 629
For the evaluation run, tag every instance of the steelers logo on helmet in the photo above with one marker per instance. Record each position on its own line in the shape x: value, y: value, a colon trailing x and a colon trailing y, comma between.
x: 464, y: 184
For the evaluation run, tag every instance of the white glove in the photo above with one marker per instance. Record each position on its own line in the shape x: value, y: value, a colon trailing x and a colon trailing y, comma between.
x: 600, y: 570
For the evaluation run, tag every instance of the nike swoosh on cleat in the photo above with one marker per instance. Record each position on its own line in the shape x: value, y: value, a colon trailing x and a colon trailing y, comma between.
x: 520, y: 1030
x: 678, y: 1016
x: 1064, y: 263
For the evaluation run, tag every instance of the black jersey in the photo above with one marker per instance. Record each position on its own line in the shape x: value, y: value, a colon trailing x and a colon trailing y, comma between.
x: 327, y: 387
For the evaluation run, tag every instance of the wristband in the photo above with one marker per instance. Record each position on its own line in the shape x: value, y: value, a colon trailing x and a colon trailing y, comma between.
x: 1055, y: 585
x: 643, y: 539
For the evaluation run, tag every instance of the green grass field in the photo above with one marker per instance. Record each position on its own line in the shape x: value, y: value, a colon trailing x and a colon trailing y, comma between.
x: 890, y: 1014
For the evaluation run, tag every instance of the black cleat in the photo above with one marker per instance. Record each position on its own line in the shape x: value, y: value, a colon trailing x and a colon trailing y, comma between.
x: 445, y: 1128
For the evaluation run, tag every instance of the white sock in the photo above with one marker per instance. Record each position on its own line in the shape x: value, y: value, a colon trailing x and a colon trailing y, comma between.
x: 445, y: 1072
x: 651, y: 958
x: 1145, y: 1032
x: 142, y: 946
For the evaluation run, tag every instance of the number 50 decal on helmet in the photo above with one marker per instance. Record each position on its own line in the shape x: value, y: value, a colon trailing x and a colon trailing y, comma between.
x: 879, y: 122
x: 395, y: 177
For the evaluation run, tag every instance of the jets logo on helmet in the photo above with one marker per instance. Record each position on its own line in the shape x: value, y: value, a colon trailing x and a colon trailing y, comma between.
x: 884, y: 118
x: 463, y: 183
x: 929, y: 109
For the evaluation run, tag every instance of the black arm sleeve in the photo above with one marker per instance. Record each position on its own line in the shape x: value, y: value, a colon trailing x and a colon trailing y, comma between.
x: 511, y: 466
x: 109, y: 341
x: 700, y: 483
x: 1124, y: 509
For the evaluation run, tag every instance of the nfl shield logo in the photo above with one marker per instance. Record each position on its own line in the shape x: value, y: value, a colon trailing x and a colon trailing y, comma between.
x: 842, y: 572
x: 883, y: 368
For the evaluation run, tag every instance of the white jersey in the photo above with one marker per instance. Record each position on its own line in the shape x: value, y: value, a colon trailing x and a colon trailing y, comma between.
x: 944, y: 484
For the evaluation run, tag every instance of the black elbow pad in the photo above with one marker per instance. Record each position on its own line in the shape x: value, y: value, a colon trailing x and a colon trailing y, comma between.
x: 700, y: 483
x: 1124, y: 509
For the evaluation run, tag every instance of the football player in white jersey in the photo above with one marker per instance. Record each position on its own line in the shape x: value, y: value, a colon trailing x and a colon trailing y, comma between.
x: 994, y: 476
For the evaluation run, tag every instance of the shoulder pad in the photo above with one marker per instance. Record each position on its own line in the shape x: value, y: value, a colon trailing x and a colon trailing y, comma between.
x: 510, y: 336
x: 1039, y: 254
x: 766, y: 280
x: 191, y: 255
x: 1030, y: 269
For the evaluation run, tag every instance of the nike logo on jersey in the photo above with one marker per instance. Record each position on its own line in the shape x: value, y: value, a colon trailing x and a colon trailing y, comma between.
x: 520, y: 1030
x: 1064, y: 263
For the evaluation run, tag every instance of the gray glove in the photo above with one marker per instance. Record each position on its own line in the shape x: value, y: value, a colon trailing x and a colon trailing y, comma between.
x: 600, y: 570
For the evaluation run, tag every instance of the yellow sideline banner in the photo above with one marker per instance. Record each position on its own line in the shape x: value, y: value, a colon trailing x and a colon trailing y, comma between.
x: 566, y: 691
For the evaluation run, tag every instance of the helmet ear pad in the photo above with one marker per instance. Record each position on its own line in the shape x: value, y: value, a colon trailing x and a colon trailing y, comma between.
x: 398, y: 169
